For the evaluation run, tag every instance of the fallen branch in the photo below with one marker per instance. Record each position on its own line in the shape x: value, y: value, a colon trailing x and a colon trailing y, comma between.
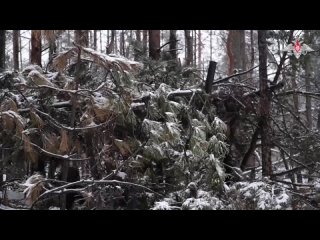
x: 291, y: 170
x: 234, y: 75
x: 60, y: 125
x: 63, y: 189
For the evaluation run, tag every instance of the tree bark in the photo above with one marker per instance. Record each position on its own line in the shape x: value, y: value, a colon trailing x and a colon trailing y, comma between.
x: 52, y: 47
x: 15, y: 47
x: 36, y: 47
x: 308, y: 76
x: 2, y: 49
x: 236, y: 50
x: 189, y: 47
x: 294, y: 87
x: 82, y: 37
x: 199, y: 49
x: 145, y: 41
x: 110, y: 47
x: 194, y: 62
x: 265, y: 104
x: 138, y: 35
x: 95, y: 39
x: 210, y: 45
x: 122, y: 45
x: 154, y: 44
x: 173, y: 44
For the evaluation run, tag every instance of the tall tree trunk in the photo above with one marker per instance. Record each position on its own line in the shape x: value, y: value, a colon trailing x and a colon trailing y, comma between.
x: 189, y: 47
x: 115, y: 42
x: 252, y: 55
x: 2, y: 49
x: 265, y: 104
x: 199, y: 49
x: 15, y: 47
x: 173, y: 44
x: 101, y: 49
x: 52, y: 47
x: 210, y: 45
x: 81, y: 37
x: 138, y: 35
x: 20, y: 50
x: 68, y: 38
x: 145, y: 41
x: 110, y: 47
x: 294, y: 86
x: 122, y: 45
x: 36, y: 47
x: 236, y: 50
x: 308, y: 75
x: 154, y: 44
x: 95, y: 39
x: 194, y: 62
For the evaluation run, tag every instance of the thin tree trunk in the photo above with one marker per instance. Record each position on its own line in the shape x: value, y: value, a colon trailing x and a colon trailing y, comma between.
x: 20, y: 50
x: 308, y: 75
x: 36, y: 47
x: 15, y: 47
x: 199, y: 49
x: 189, y: 47
x: 52, y: 47
x: 122, y: 45
x: 101, y: 49
x: 173, y: 44
x: 138, y: 35
x: 294, y: 87
x: 210, y: 45
x: 95, y: 39
x: 110, y: 47
x: 69, y: 38
x: 265, y: 104
x: 194, y: 48
x: 145, y: 41
x: 252, y: 54
x: 154, y: 44
x: 2, y: 49
x: 115, y: 42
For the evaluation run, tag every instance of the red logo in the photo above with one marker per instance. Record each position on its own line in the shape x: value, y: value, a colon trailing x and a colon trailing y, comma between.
x: 297, y: 46
x: 297, y: 49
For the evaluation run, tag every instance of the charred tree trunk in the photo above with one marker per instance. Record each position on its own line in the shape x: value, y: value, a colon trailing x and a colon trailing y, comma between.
x: 154, y: 44
x: 189, y: 47
x: 265, y: 104
x: 36, y: 47
x: 15, y: 47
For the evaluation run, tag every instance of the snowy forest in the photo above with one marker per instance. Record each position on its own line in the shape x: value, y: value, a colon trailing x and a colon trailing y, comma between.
x: 159, y: 120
